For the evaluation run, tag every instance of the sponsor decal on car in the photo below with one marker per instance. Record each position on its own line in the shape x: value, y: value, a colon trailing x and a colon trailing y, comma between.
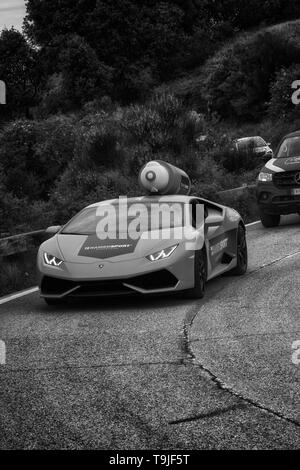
x: 272, y: 166
x: 292, y: 160
x: 218, y: 247
x: 95, y: 248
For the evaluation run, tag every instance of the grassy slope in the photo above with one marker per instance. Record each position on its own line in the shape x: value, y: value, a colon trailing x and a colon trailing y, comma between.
x: 190, y: 87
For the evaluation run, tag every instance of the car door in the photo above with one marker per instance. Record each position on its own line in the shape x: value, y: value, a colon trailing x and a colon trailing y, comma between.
x: 220, y: 238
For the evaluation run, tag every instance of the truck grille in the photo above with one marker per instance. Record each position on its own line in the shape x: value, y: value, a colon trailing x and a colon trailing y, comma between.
x: 287, y: 179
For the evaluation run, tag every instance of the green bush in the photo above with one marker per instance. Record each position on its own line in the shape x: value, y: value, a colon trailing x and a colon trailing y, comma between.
x: 18, y: 274
x: 238, y: 81
x: 162, y: 124
x: 21, y: 168
x: 53, y: 98
x: 280, y: 104
x: 33, y: 154
x: 245, y: 204
x: 19, y: 70
x: 98, y: 143
x: 78, y: 188
x: 240, y: 161
x: 20, y: 215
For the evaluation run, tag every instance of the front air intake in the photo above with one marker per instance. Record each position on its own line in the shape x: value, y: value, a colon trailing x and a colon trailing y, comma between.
x: 152, y: 281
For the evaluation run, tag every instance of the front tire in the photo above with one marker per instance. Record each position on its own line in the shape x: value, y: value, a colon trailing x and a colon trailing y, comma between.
x: 269, y: 220
x: 241, y: 253
x: 200, y: 275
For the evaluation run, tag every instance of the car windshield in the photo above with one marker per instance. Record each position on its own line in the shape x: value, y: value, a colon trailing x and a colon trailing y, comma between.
x: 121, y: 218
x: 289, y: 148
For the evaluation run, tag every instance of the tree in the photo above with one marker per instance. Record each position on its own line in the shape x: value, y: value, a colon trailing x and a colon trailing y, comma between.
x: 136, y: 39
x: 18, y: 69
x: 33, y: 154
x: 84, y: 76
x: 146, y: 42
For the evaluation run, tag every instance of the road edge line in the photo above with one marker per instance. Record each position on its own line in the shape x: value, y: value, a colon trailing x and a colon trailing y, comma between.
x: 10, y: 297
x: 253, y: 223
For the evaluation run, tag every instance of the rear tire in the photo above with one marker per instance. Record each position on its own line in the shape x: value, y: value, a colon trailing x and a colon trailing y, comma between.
x: 269, y: 220
x: 241, y: 253
x: 200, y: 275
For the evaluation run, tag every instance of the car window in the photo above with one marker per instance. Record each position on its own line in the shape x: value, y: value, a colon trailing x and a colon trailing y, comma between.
x: 289, y: 148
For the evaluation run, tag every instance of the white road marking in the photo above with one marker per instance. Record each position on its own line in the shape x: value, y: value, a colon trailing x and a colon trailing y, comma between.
x: 8, y: 298
x: 17, y: 295
x: 253, y: 223
x: 2, y: 353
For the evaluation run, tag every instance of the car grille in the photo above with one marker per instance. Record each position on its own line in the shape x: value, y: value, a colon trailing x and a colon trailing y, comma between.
x: 151, y: 281
x: 158, y: 280
x: 286, y: 179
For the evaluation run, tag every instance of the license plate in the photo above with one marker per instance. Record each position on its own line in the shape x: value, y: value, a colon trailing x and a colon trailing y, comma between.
x: 296, y: 191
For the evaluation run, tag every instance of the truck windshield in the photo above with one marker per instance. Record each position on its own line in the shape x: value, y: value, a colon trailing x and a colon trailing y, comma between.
x: 289, y: 148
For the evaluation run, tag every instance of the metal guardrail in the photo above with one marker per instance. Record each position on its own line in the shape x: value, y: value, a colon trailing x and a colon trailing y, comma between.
x: 236, y: 191
x: 21, y: 243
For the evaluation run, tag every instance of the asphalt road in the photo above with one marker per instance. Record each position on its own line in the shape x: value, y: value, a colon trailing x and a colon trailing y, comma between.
x: 161, y: 373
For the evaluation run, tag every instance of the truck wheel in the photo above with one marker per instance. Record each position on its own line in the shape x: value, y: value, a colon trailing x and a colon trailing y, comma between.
x: 200, y: 274
x: 241, y: 253
x: 269, y: 220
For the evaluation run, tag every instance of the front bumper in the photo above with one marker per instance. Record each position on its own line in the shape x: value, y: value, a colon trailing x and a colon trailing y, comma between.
x: 147, y: 278
x: 273, y: 200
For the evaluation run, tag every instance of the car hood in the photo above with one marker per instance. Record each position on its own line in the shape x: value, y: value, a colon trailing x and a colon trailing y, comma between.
x: 277, y: 165
x: 89, y: 248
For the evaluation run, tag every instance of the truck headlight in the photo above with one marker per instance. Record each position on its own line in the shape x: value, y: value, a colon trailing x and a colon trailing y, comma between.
x: 52, y: 260
x: 265, y: 177
x: 162, y: 254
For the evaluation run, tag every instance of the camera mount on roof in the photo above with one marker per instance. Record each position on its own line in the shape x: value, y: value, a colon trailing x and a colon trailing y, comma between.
x: 161, y: 178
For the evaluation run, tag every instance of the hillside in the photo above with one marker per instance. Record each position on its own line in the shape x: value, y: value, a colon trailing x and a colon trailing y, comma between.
x: 74, y: 145
x: 239, y: 75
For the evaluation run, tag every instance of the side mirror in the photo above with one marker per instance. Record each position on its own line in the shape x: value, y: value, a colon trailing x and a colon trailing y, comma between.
x: 214, y: 220
x: 53, y: 229
x: 269, y: 144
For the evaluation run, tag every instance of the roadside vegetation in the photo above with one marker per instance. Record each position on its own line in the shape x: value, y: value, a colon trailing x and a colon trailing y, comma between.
x: 85, y: 112
x: 17, y: 273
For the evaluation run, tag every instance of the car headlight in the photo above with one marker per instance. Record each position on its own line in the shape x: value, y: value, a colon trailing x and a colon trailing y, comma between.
x: 52, y: 260
x: 265, y: 176
x: 162, y: 254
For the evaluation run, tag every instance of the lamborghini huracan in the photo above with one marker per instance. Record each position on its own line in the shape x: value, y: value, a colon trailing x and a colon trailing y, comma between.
x: 181, y: 252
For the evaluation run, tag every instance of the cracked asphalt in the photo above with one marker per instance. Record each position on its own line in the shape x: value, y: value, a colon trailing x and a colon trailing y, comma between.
x: 161, y: 373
